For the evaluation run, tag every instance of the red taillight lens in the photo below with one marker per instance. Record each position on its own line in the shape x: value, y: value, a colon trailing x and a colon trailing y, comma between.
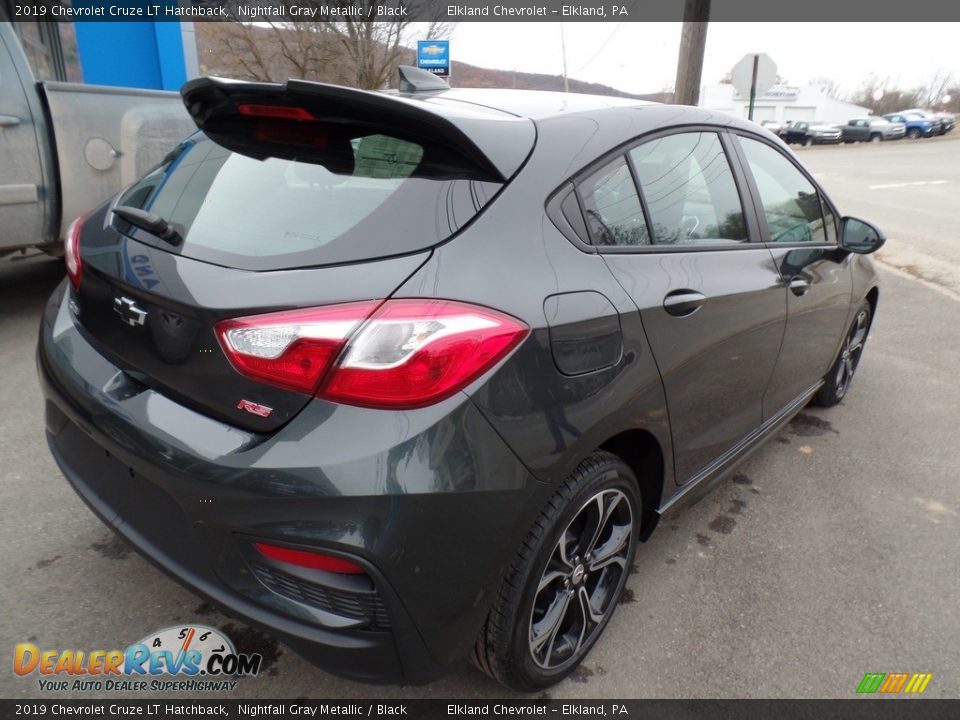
x: 291, y: 349
x: 416, y: 352
x: 309, y: 559
x: 408, y: 354
x: 71, y: 252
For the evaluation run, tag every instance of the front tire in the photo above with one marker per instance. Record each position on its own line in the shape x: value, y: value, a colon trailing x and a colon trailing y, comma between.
x: 566, y: 579
x: 876, y: 137
x: 913, y: 133
x: 838, y: 379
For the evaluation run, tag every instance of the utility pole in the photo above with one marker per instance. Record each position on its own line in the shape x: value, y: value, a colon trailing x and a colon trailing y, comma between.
x: 693, y: 42
x: 563, y: 50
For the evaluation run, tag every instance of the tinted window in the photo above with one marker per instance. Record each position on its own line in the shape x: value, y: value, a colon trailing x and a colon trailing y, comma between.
x: 790, y: 203
x: 612, y: 207
x: 689, y: 190
x: 369, y: 200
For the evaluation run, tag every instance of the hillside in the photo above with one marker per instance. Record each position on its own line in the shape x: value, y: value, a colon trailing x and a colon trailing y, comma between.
x: 253, y: 54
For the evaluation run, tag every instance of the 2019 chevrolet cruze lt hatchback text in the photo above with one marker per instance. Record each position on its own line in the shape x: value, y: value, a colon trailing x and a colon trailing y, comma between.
x: 403, y: 378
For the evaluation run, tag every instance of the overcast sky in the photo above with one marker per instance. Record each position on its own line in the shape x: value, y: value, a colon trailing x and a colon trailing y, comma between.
x: 642, y: 57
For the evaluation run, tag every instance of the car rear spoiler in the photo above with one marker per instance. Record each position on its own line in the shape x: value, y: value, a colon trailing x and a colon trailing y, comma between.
x: 459, y: 139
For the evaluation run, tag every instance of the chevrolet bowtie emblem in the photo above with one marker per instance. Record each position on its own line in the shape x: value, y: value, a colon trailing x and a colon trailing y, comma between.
x: 129, y: 312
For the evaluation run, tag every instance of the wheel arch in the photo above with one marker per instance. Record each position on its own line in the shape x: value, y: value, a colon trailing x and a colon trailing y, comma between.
x: 873, y: 295
x: 640, y: 449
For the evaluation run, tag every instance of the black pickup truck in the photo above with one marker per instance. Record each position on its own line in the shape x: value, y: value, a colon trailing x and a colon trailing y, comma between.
x: 810, y: 133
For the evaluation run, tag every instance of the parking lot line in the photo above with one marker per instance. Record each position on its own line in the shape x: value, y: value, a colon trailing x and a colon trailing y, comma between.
x: 906, y: 184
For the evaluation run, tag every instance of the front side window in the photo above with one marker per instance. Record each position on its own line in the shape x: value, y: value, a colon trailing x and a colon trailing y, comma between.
x: 612, y: 207
x: 791, y: 203
x: 689, y: 189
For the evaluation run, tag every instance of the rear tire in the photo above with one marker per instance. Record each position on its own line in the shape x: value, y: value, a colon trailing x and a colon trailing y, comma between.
x: 837, y: 381
x: 913, y: 133
x: 808, y: 142
x: 876, y: 137
x: 566, y: 580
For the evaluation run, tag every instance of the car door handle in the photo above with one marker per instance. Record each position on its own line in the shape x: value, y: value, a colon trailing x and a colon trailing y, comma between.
x: 681, y: 303
x: 9, y: 120
x: 798, y: 285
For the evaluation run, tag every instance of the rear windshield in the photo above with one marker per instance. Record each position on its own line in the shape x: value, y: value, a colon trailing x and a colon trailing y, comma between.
x: 367, y: 201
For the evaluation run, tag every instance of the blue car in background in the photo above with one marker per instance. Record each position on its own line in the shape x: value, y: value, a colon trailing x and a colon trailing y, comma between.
x: 917, y: 125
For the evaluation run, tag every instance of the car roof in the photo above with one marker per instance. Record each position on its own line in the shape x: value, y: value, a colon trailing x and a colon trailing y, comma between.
x: 532, y: 104
x: 542, y: 106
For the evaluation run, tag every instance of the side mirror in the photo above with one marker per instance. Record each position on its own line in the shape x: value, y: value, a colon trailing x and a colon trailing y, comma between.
x: 859, y: 236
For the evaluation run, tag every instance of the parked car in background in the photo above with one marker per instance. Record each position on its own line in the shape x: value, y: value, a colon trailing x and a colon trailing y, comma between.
x: 940, y: 126
x: 872, y: 129
x: 405, y: 377
x: 810, y: 133
x: 917, y: 125
x: 948, y: 120
x: 67, y: 147
x: 774, y: 126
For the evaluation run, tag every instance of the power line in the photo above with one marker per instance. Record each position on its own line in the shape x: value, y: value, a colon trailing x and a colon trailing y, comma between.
x: 601, y: 48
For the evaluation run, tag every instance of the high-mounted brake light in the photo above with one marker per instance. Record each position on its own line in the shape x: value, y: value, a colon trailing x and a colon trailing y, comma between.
x: 396, y: 355
x: 71, y: 252
x: 309, y: 559
x: 277, y: 112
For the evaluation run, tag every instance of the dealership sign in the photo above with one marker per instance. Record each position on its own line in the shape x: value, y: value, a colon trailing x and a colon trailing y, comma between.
x: 434, y: 56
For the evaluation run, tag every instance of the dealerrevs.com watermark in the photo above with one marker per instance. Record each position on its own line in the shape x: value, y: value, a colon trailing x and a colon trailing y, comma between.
x: 192, y: 658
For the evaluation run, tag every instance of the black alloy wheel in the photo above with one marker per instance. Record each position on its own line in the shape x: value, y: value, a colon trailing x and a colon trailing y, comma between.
x: 837, y: 382
x: 566, y: 580
x: 580, y: 579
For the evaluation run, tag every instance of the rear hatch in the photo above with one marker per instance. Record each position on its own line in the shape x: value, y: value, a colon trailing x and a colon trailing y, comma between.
x: 291, y: 196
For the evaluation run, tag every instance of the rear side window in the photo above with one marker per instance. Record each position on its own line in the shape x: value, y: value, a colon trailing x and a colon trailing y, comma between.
x: 368, y: 199
x: 791, y: 203
x: 612, y: 207
x: 689, y: 189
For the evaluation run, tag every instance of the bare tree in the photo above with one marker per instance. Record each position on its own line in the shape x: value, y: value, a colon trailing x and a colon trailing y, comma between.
x: 272, y: 51
x: 362, y: 51
x: 936, y: 88
x: 373, y: 48
x: 830, y: 86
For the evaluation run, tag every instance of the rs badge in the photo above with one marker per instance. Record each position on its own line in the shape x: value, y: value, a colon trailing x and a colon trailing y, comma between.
x: 254, y: 408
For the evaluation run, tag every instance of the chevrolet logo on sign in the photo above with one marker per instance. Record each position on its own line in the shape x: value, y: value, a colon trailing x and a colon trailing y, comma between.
x: 129, y: 312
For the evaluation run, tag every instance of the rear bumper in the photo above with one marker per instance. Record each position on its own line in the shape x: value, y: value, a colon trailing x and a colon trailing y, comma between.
x: 432, y: 504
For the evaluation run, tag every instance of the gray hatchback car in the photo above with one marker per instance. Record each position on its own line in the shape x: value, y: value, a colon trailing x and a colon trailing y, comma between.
x: 404, y: 378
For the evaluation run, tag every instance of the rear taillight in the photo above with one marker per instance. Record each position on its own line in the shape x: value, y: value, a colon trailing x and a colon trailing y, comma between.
x: 416, y: 352
x: 291, y: 349
x: 71, y: 252
x: 309, y: 559
x: 398, y: 354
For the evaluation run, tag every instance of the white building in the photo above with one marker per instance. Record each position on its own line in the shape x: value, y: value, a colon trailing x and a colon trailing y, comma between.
x: 782, y: 103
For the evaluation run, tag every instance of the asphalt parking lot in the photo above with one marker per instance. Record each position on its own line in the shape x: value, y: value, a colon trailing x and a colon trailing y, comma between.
x: 833, y: 552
